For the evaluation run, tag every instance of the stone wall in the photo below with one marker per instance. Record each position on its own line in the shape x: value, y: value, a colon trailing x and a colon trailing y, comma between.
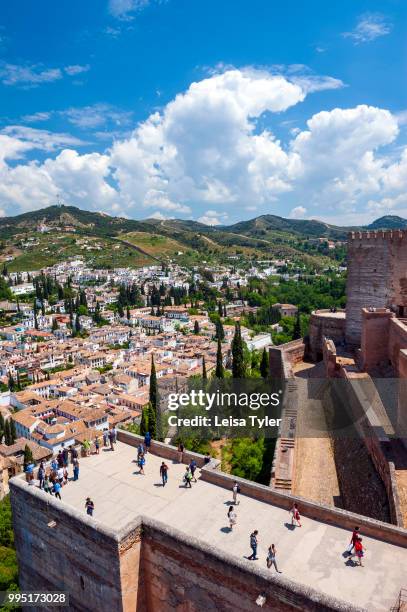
x: 397, y: 341
x: 377, y: 263
x: 325, y: 324
x: 375, y: 338
x: 284, y: 357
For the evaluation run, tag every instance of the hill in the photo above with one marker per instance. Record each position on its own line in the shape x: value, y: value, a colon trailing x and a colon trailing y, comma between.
x: 388, y: 222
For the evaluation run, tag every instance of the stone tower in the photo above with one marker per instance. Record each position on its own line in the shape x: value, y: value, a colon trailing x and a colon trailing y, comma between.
x: 377, y: 276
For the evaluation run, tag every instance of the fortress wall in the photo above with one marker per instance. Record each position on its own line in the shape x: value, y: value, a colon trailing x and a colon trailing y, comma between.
x: 319, y: 512
x: 179, y: 570
x: 369, y: 266
x: 324, y: 324
x: 375, y: 336
x: 78, y: 554
x: 397, y: 340
x: 284, y: 357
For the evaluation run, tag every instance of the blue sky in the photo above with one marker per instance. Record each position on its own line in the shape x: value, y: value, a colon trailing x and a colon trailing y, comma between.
x: 217, y: 111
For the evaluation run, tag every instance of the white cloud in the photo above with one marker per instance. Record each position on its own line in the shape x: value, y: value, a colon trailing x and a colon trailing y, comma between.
x: 205, y: 151
x: 369, y: 27
x: 213, y: 217
x: 298, y: 212
x: 42, y: 139
x: 122, y: 9
x: 28, y: 76
x: 37, y: 117
x: 76, y: 69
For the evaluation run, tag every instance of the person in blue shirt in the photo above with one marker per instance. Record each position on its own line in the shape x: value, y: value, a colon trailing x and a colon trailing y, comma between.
x: 147, y: 441
x: 57, y: 490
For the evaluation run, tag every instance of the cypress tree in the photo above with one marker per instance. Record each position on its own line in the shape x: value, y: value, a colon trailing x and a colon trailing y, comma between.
x: 238, y: 365
x: 28, y: 456
x: 297, y: 327
x: 7, y: 433
x: 144, y: 422
x: 204, y: 374
x: 219, y: 372
x: 219, y: 330
x: 11, y: 383
x: 152, y: 420
x: 196, y: 328
x: 13, y: 433
x: 264, y: 365
x: 153, y: 386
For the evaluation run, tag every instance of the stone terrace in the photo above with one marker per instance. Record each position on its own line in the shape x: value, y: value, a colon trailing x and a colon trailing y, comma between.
x: 311, y: 555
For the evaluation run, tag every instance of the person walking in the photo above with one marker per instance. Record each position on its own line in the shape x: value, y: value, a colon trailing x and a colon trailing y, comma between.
x: 188, y: 478
x: 90, y: 506
x: 97, y: 446
x: 232, y: 516
x: 141, y: 464
x: 111, y: 439
x: 180, y: 452
x: 147, y: 441
x: 192, y: 467
x: 359, y: 550
x: 54, y: 465
x: 164, y: 473
x: 114, y: 431
x: 73, y: 452
x: 140, y: 450
x: 76, y: 469
x: 235, y: 491
x: 271, y: 558
x: 47, y: 485
x: 57, y: 490
x: 60, y: 475
x: 253, y: 545
x: 64, y: 456
x: 353, y: 540
x: 295, y: 515
x: 65, y: 475
x: 105, y: 437
x: 60, y: 459
x: 41, y: 475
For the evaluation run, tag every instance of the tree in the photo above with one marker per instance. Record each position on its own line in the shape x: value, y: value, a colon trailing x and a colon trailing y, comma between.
x: 219, y: 372
x: 7, y: 433
x: 13, y: 433
x: 28, y: 456
x: 152, y: 420
x: 264, y: 365
x: 144, y: 422
x: 128, y: 313
x: 220, y: 308
x: 196, y: 328
x: 219, y: 330
x: 55, y: 325
x: 11, y: 383
x: 97, y: 317
x: 238, y: 364
x: 297, y: 327
x: 204, y: 374
x: 153, y: 397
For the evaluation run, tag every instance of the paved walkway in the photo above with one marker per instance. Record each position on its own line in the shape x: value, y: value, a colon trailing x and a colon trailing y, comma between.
x: 311, y: 555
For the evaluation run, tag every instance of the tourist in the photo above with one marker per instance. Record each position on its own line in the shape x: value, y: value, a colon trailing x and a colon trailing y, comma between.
x: 147, y: 441
x: 180, y: 452
x: 41, y: 475
x: 232, y: 516
x: 235, y: 491
x: 164, y: 473
x: 86, y: 447
x: 355, y: 535
x: 140, y: 450
x: 359, y: 550
x: 64, y: 456
x: 253, y: 545
x: 295, y: 515
x: 271, y: 558
x: 141, y: 464
x: 192, y: 467
x: 111, y: 439
x: 90, y: 506
x: 47, y: 485
x: 54, y: 465
x: 65, y: 475
x: 114, y: 432
x: 73, y: 452
x: 60, y: 460
x: 76, y: 469
x: 57, y: 490
x: 97, y: 446
x: 60, y: 475
x: 187, y: 478
x: 105, y: 437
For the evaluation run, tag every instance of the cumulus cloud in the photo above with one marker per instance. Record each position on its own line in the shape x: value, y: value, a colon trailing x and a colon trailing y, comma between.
x: 213, y: 217
x: 205, y: 150
x: 298, y: 212
x: 32, y: 75
x: 369, y: 27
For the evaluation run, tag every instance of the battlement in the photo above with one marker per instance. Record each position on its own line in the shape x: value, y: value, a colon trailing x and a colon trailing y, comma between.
x: 397, y: 234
